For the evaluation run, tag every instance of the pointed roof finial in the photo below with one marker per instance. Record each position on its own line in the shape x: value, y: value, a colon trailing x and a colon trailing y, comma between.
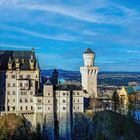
x: 33, y: 49
x: 10, y: 60
x: 55, y: 71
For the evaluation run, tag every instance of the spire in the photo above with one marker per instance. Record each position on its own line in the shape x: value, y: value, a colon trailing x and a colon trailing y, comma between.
x: 33, y: 50
x: 10, y: 60
x: 48, y: 82
x: 55, y: 71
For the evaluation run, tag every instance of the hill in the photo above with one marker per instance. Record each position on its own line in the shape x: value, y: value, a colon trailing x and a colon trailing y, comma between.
x: 104, y: 78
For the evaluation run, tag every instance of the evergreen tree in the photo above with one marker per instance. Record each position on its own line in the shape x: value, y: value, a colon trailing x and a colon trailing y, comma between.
x: 116, y: 103
x: 38, y: 135
x: 4, y: 134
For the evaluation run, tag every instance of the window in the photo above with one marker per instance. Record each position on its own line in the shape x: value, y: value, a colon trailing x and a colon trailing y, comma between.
x: 64, y: 101
x: 48, y: 108
x: 13, y: 107
x: 14, y: 93
x: 31, y: 84
x: 26, y: 108
x: 77, y: 93
x: 20, y: 100
x: 8, y: 108
x: 31, y: 107
x: 39, y: 101
x: 20, y: 76
x: 64, y: 108
x: 21, y: 84
x: 8, y: 100
x: 73, y: 100
x: 23, y: 93
x: 48, y: 101
x: 13, y: 100
x: 31, y: 92
x: 39, y: 108
x: 14, y: 84
x: 26, y: 101
x: 28, y: 76
x: 13, y: 76
x: 26, y: 85
x: 21, y: 108
x: 78, y: 107
x: 31, y: 100
x: 63, y: 93
x: 8, y: 92
x: 78, y: 100
x: 8, y: 84
x: 48, y: 94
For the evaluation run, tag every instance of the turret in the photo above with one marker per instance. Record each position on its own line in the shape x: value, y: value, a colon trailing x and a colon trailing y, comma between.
x: 89, y: 73
x: 9, y: 63
x: 55, y: 77
x: 17, y: 64
x: 88, y: 57
x: 32, y: 62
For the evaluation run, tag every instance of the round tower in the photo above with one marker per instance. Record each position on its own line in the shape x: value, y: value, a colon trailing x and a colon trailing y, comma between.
x: 89, y: 57
x: 89, y: 73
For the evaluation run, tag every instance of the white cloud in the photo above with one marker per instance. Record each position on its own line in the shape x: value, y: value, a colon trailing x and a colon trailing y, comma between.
x: 17, y: 46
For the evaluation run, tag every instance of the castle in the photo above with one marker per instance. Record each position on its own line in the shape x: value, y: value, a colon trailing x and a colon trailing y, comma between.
x: 53, y: 105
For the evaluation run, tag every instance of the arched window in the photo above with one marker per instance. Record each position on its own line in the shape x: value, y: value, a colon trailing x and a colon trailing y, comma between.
x: 31, y: 107
x: 31, y: 100
x: 26, y: 101
x: 20, y: 100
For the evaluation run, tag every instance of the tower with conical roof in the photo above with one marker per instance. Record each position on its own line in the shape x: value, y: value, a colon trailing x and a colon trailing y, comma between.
x: 55, y: 77
x: 89, y: 73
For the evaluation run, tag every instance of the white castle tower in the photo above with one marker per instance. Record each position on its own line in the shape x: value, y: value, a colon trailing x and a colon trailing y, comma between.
x: 89, y: 73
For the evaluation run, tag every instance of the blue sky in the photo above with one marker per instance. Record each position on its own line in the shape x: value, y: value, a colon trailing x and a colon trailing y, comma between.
x: 60, y: 30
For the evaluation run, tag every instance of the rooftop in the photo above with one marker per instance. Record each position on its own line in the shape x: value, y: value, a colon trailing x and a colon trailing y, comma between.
x: 88, y: 50
x: 22, y: 56
x: 67, y: 87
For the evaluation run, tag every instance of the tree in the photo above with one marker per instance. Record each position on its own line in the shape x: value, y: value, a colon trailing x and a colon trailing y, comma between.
x: 37, y: 134
x: 116, y: 103
x: 4, y: 134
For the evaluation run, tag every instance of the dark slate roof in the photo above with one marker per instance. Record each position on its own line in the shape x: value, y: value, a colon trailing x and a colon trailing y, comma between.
x: 88, y: 50
x: 55, y: 71
x: 11, y: 55
x: 48, y: 82
x: 67, y: 87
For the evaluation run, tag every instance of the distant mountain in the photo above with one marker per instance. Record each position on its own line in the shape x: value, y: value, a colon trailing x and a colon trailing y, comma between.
x: 104, y: 78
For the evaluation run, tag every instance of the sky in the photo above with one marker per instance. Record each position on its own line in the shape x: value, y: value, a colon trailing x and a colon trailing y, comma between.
x: 61, y: 30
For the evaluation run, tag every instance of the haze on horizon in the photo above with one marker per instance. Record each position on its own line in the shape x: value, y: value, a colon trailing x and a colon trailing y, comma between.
x: 61, y: 30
